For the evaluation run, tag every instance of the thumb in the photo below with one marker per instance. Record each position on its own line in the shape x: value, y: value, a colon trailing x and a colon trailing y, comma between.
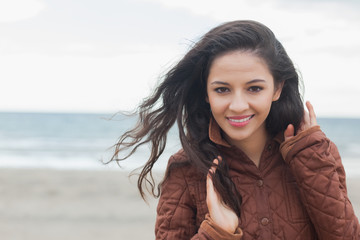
x: 289, y: 132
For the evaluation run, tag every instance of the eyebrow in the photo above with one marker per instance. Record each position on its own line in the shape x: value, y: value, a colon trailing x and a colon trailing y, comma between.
x: 225, y: 83
x: 219, y: 83
x: 256, y: 81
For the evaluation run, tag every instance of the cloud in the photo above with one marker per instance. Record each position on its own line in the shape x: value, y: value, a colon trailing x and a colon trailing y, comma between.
x: 102, y: 28
x: 284, y: 16
x: 18, y: 10
x: 100, y: 56
x: 79, y: 83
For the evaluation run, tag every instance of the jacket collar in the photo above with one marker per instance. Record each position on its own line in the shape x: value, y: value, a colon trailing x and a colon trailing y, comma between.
x: 215, y: 134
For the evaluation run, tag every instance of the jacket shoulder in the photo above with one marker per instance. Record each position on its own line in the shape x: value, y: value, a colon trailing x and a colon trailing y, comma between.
x: 176, y: 208
x: 179, y: 163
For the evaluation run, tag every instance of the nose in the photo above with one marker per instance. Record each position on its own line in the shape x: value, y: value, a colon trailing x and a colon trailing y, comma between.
x: 238, y: 103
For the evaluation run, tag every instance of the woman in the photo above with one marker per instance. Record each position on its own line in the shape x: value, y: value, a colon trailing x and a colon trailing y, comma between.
x: 254, y: 164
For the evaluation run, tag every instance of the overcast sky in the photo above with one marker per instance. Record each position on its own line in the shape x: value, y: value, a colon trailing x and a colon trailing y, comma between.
x: 105, y: 56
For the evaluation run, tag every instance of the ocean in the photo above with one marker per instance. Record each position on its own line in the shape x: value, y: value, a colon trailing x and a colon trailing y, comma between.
x: 84, y: 141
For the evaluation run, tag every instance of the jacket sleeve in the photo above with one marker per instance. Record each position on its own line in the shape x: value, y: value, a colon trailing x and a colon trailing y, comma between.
x: 316, y: 165
x: 176, y: 214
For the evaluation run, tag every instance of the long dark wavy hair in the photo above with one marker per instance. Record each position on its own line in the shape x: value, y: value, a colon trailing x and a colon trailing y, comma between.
x: 181, y: 98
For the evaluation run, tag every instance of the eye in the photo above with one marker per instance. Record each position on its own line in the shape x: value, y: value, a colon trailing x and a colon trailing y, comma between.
x: 221, y: 89
x: 255, y: 89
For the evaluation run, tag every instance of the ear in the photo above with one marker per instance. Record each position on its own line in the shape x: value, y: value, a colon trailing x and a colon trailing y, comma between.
x: 278, y: 91
x: 207, y: 99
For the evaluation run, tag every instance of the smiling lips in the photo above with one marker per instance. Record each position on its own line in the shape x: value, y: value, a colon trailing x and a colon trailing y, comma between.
x: 239, y: 121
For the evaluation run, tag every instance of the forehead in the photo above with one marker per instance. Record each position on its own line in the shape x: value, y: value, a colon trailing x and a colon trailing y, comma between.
x: 239, y: 65
x: 239, y: 59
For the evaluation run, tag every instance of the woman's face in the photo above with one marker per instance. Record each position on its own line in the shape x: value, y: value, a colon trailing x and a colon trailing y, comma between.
x: 240, y: 92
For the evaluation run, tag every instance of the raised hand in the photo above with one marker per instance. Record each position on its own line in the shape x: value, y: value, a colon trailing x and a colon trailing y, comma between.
x: 221, y: 215
x: 308, y: 122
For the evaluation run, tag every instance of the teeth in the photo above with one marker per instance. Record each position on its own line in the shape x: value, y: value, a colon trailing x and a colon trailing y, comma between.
x: 240, y: 120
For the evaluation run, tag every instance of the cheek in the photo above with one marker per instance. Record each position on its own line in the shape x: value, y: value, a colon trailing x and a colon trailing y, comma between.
x: 217, y: 104
x: 261, y: 103
x: 214, y: 105
x: 211, y: 100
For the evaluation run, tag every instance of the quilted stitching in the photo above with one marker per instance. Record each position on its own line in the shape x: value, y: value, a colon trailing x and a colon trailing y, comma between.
x: 175, y: 201
x: 273, y: 194
x: 301, y: 198
x: 322, y: 189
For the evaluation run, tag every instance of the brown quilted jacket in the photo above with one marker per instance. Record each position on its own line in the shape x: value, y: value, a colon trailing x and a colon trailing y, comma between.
x: 303, y: 197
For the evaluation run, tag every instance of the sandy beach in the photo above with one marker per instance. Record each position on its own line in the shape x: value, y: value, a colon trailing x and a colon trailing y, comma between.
x: 58, y: 204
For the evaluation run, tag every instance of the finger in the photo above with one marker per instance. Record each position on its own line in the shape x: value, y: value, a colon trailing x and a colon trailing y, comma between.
x: 215, y: 165
x: 211, y: 195
x: 312, y: 114
x: 306, y: 120
x: 210, y: 191
x: 212, y: 170
x: 289, y: 132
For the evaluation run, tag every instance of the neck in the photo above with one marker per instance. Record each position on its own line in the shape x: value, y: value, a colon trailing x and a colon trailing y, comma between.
x: 253, y: 146
x: 254, y: 151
